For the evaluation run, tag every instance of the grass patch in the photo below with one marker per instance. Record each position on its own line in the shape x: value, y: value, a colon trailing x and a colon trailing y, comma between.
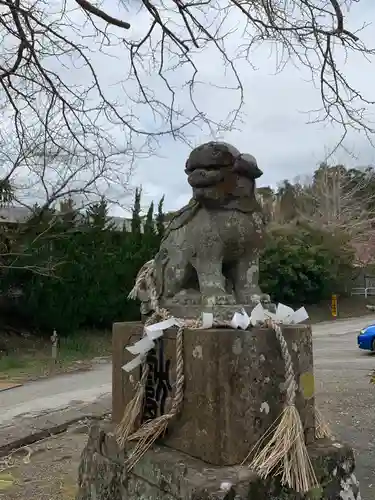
x: 85, y: 345
x: 30, y: 358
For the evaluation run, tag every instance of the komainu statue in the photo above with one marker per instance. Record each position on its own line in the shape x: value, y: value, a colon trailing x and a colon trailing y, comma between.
x: 208, y: 258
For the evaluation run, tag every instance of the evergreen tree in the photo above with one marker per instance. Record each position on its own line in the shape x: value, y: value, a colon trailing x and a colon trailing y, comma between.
x: 7, y: 192
x: 149, y: 224
x: 136, y: 212
x: 67, y: 214
x: 97, y: 215
x: 125, y: 226
x: 160, y: 218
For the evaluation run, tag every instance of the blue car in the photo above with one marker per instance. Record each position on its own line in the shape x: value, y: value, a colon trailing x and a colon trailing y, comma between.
x: 366, y: 338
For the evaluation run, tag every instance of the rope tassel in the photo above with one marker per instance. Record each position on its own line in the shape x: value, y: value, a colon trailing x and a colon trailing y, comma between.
x: 153, y: 429
x: 132, y: 411
x: 285, y: 452
x: 322, y: 429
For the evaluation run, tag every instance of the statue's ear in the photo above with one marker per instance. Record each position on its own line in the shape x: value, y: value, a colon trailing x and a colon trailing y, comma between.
x: 247, y: 166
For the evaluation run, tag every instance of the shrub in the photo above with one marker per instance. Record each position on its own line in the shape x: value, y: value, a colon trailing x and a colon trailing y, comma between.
x: 302, y: 264
x: 94, y: 270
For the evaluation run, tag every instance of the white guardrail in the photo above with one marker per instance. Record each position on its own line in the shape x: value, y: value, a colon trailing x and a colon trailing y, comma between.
x: 363, y: 291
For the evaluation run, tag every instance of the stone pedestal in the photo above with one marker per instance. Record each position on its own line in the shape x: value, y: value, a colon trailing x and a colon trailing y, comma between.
x: 234, y: 391
x: 234, y: 387
x: 166, y: 474
x: 124, y: 334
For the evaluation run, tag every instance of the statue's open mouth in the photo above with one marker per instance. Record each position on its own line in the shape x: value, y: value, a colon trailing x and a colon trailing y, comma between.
x: 202, y: 176
x: 205, y: 177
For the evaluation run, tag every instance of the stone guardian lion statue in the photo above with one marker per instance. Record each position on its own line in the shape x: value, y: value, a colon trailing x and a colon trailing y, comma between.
x: 209, y: 255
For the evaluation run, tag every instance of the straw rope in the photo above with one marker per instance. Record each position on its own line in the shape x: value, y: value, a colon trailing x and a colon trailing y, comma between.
x: 322, y: 429
x: 281, y: 450
x: 290, y: 382
x: 151, y: 430
x: 147, y: 434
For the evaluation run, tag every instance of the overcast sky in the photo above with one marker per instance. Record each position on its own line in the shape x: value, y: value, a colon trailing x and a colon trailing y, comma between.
x: 273, y: 125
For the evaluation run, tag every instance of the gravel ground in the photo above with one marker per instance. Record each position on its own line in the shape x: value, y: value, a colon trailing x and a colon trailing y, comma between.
x: 46, y: 470
x: 347, y: 400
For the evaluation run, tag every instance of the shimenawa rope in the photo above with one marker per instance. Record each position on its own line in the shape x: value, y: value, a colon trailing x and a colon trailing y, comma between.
x: 284, y: 451
x: 147, y: 434
x: 152, y: 429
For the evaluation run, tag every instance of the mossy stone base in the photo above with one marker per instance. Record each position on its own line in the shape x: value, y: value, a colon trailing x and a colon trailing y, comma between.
x: 168, y: 474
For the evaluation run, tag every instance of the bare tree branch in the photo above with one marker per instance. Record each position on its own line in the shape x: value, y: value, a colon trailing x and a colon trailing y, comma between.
x: 338, y: 202
x: 305, y: 32
x: 69, y: 130
x: 87, y: 6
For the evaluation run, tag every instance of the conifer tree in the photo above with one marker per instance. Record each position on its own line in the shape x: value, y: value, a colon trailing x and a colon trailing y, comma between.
x: 136, y: 212
x: 149, y: 223
x: 160, y: 218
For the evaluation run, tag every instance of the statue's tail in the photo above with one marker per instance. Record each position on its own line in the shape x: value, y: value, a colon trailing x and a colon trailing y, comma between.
x: 140, y: 280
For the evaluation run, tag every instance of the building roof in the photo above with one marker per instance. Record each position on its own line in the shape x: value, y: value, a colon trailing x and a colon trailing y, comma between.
x: 14, y: 214
x: 18, y: 215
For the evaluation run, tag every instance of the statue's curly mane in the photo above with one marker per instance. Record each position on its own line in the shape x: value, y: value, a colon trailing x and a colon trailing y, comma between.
x: 247, y: 205
x: 182, y: 217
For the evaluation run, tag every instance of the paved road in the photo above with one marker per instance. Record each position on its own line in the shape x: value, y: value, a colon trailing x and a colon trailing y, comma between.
x: 87, y: 386
x: 343, y: 392
x: 56, y: 392
x: 341, y: 326
x: 347, y: 400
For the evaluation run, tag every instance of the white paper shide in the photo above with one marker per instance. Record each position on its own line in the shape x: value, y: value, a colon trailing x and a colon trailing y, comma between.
x: 147, y: 342
x: 259, y: 315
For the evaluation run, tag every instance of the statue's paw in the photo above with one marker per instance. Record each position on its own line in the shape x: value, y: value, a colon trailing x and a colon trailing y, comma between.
x: 227, y: 300
x: 254, y: 299
x: 250, y: 298
x: 219, y: 299
x: 186, y: 297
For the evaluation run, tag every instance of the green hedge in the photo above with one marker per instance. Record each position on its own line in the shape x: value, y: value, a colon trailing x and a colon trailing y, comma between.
x: 90, y: 285
x: 95, y: 268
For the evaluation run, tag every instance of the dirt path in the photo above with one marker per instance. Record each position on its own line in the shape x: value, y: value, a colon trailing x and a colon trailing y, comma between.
x: 46, y: 470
